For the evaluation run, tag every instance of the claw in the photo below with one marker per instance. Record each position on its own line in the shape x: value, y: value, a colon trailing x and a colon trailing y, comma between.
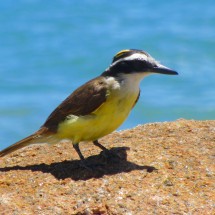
x: 106, y: 153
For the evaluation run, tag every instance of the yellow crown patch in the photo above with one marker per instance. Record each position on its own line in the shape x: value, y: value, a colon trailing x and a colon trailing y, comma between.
x: 122, y: 52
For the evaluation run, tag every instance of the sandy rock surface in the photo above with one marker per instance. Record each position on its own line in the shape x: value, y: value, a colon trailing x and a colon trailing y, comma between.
x: 160, y: 168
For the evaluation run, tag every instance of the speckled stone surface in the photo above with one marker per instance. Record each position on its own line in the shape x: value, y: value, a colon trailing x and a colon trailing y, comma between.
x: 161, y: 168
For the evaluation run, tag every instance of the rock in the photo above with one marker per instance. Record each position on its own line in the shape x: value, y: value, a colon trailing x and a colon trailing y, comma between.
x: 163, y: 168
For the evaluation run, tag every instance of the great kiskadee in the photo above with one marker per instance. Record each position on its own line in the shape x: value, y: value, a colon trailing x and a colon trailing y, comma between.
x: 99, y: 106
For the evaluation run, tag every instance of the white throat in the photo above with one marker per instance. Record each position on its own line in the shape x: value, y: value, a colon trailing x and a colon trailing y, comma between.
x: 132, y: 81
x: 126, y: 83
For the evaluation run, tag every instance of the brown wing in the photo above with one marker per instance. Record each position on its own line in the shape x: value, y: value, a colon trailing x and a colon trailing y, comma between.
x: 82, y: 101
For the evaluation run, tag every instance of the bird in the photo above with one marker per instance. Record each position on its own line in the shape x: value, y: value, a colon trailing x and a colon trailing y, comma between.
x: 99, y: 106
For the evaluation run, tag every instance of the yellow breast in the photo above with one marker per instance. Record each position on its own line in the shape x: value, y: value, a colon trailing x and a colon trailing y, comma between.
x: 108, y: 117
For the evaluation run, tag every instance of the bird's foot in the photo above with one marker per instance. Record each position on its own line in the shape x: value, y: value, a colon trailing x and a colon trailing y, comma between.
x: 108, y: 154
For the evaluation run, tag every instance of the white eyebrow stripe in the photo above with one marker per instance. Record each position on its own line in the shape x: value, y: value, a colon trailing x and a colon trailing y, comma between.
x: 136, y: 56
x: 141, y: 56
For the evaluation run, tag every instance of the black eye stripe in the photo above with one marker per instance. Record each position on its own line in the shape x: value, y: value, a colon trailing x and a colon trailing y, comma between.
x: 128, y: 66
x: 141, y: 64
x: 135, y: 65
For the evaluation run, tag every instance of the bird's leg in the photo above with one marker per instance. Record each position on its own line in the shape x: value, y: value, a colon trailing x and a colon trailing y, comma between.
x: 96, y: 143
x: 83, y: 161
x: 77, y: 149
x: 106, y: 151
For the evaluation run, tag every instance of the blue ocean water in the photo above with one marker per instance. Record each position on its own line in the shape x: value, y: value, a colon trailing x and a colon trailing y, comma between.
x: 47, y: 49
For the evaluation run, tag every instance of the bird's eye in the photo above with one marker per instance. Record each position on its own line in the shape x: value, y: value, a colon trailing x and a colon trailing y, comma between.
x: 122, y: 65
x: 141, y: 65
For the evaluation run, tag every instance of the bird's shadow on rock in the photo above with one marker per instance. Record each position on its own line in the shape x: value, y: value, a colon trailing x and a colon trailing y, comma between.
x: 100, y: 166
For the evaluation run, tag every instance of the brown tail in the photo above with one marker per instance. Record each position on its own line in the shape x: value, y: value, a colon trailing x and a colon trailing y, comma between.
x: 38, y: 137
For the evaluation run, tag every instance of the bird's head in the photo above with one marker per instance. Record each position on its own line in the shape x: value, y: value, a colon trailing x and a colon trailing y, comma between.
x: 133, y: 61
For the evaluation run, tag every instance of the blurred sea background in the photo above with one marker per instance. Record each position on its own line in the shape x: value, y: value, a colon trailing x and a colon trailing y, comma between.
x: 49, y: 48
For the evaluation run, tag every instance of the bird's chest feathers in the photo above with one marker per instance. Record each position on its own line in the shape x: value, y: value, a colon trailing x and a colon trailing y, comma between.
x: 120, y: 99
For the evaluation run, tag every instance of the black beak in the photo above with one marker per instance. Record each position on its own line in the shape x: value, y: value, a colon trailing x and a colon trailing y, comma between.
x: 163, y: 70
